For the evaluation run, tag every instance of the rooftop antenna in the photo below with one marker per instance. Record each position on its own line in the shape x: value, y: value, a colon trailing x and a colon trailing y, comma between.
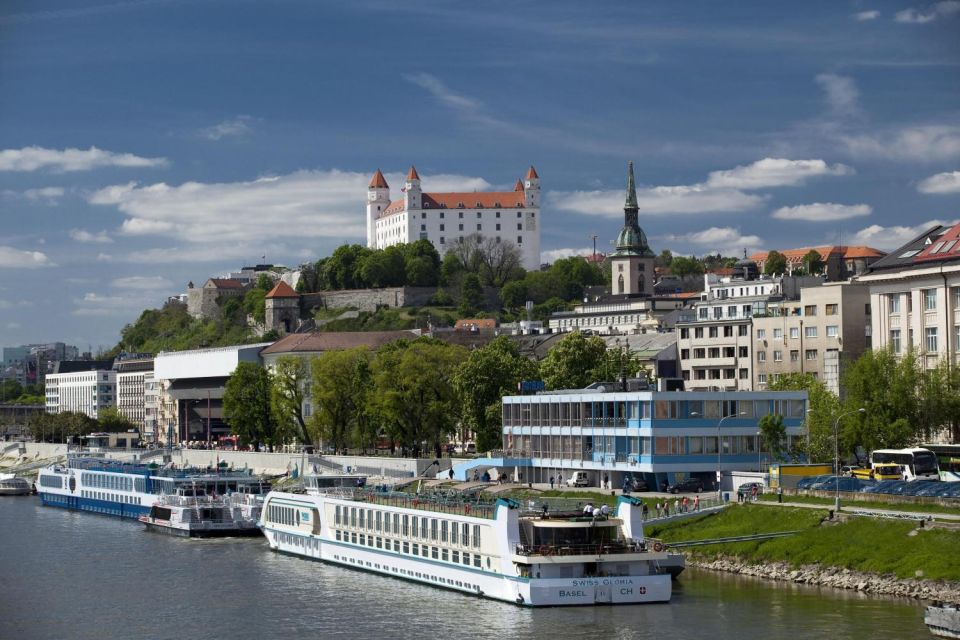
x: 594, y: 236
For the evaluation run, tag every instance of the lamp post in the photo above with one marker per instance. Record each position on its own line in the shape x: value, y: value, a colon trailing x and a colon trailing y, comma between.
x: 759, y: 449
x: 720, y: 447
x: 806, y: 423
x: 836, y: 453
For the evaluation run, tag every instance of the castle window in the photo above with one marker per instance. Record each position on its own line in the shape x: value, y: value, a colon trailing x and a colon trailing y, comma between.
x: 441, y: 215
x: 479, y: 227
x: 518, y: 214
x: 498, y: 239
x: 423, y: 227
x: 478, y: 213
x: 519, y: 226
x: 423, y: 215
x: 519, y: 239
x: 461, y: 226
x: 498, y: 226
x: 441, y: 240
x: 441, y: 226
x: 461, y: 213
x: 498, y: 214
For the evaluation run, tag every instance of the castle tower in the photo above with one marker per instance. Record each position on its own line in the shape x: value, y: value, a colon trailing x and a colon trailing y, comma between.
x: 531, y: 187
x: 282, y: 308
x: 632, y: 263
x: 412, y: 196
x: 378, y: 199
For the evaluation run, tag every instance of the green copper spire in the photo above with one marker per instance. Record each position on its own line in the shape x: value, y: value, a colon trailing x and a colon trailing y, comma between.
x: 631, y: 202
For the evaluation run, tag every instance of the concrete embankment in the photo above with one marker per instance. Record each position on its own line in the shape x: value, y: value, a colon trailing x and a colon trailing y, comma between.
x: 837, y: 578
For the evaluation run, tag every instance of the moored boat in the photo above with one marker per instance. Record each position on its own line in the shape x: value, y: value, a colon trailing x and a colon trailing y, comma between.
x: 191, y: 513
x: 502, y: 550
x: 13, y: 486
x: 943, y: 621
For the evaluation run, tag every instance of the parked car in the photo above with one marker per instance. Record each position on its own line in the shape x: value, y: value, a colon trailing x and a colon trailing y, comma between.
x: 634, y: 483
x: 579, y: 479
x: 689, y: 485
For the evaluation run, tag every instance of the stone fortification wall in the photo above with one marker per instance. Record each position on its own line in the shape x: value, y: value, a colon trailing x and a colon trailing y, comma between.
x: 368, y: 299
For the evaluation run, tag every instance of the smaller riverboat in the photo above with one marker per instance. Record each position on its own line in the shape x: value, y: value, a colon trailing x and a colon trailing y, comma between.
x: 13, y: 486
x: 191, y: 513
x: 943, y: 621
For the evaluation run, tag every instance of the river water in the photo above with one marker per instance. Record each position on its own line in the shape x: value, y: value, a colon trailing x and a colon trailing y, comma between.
x: 77, y: 575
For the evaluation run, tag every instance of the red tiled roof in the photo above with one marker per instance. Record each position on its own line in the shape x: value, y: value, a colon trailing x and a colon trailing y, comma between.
x: 412, y: 174
x: 532, y: 173
x: 319, y: 341
x: 282, y: 290
x: 463, y: 200
x: 796, y: 255
x: 518, y: 186
x: 226, y: 283
x: 862, y: 252
x: 378, y: 181
x: 943, y: 247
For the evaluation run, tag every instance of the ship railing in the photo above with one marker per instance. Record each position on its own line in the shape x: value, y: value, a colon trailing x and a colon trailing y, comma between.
x: 455, y: 504
x: 594, y: 549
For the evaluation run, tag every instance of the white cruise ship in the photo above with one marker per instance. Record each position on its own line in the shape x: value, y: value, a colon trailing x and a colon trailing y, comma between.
x: 500, y: 550
x: 111, y: 487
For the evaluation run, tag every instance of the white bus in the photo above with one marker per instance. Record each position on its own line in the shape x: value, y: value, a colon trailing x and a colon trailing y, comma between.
x: 916, y: 463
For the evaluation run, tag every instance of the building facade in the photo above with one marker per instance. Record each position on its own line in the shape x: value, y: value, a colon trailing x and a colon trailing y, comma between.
x: 132, y: 376
x: 915, y: 297
x: 838, y: 262
x: 445, y: 218
x: 818, y: 334
x: 88, y: 392
x: 659, y: 436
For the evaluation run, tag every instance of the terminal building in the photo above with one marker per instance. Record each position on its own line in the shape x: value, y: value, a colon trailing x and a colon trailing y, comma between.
x: 657, y: 436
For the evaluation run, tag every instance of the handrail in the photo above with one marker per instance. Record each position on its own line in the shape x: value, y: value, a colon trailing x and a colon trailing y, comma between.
x: 597, y: 549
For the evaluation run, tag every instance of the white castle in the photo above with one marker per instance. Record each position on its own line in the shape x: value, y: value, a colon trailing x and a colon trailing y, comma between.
x: 445, y: 218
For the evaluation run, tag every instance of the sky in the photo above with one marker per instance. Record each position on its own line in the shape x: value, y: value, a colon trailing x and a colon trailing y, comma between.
x: 148, y: 143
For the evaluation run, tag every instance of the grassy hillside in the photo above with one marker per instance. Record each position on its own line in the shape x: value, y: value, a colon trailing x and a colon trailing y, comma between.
x: 864, y: 544
x: 172, y: 329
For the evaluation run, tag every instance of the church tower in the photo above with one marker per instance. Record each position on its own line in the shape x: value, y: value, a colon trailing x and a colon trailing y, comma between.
x: 632, y: 262
x: 378, y: 199
x: 531, y: 188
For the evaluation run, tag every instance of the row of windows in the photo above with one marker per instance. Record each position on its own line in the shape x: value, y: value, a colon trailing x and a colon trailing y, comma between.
x: 929, y: 297
x: 423, y: 214
x: 714, y: 374
x: 411, y: 548
x: 808, y: 354
x: 609, y: 411
x: 762, y: 377
x: 409, y: 526
x: 443, y: 239
x: 55, y: 482
x: 110, y: 481
x: 714, y: 352
x: 411, y: 574
x: 283, y: 515
x: 714, y: 332
x: 931, y: 337
x: 109, y: 497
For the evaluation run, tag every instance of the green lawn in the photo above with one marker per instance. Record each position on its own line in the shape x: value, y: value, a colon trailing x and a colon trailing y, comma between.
x: 828, y: 502
x: 879, y: 546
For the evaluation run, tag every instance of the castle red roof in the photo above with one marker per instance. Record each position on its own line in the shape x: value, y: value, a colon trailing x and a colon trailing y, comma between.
x: 464, y: 200
x: 412, y: 174
x: 226, y: 283
x: 378, y: 181
x: 518, y: 186
x: 282, y: 290
x: 532, y: 173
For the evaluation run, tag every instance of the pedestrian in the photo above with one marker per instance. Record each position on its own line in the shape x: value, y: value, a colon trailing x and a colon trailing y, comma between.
x: 696, y: 503
x: 604, y: 510
x: 588, y: 510
x: 645, y: 511
x: 606, y: 481
x: 551, y: 483
x: 686, y: 503
x: 753, y: 493
x: 666, y: 508
x: 658, y: 508
x: 676, y: 505
x: 560, y: 479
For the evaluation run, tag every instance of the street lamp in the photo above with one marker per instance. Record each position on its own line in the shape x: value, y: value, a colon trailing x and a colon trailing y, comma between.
x: 806, y: 422
x: 759, y: 448
x: 836, y: 452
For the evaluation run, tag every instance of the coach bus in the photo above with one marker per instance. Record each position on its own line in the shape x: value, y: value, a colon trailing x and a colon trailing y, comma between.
x: 948, y: 457
x: 916, y: 463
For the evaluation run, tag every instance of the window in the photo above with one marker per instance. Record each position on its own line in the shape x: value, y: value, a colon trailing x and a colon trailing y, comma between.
x: 894, y: 302
x: 479, y: 227
x: 684, y: 354
x: 442, y: 240
x: 461, y: 226
x: 478, y: 214
x: 778, y: 334
x: 498, y: 214
x: 698, y: 332
x: 761, y: 356
x: 810, y: 310
x: 684, y: 334
x: 810, y: 332
x: 441, y: 227
x: 423, y: 227
x: 498, y: 226
x: 931, y: 339
x: 519, y: 239
x: 728, y: 331
x: 717, y: 313
x: 743, y: 352
x: 833, y: 331
x: 700, y: 353
x: 714, y: 352
x: 794, y: 333
x: 955, y: 293
x: 714, y: 332
x: 895, y: 340
x: 930, y: 299
x: 831, y: 309
x: 518, y: 214
x: 743, y: 330
x: 778, y: 356
x: 810, y: 354
x: 794, y: 355
x: 761, y: 334
x: 519, y: 226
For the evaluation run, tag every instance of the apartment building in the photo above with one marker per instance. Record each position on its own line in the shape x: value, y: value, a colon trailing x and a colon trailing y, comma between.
x: 88, y: 392
x: 132, y: 373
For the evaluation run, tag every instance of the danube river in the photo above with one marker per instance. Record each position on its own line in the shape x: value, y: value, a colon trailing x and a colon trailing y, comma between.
x: 77, y: 575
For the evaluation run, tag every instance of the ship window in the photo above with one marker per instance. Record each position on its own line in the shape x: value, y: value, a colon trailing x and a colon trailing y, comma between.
x: 433, y: 529
x: 415, y: 527
x: 443, y: 532
x: 476, y: 535
x: 444, y: 555
x: 466, y: 558
x: 453, y: 532
x: 416, y: 549
x: 455, y: 556
x: 379, y: 526
x: 361, y: 518
x: 476, y: 560
x: 465, y: 538
x: 336, y: 518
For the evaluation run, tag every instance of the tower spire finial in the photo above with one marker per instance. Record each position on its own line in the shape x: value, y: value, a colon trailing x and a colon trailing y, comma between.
x: 631, y: 202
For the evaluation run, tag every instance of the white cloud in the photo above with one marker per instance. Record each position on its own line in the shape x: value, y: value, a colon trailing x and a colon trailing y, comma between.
x: 693, y: 199
x: 16, y: 259
x: 841, y: 93
x: 104, y: 257
x: 822, y: 212
x: 237, y: 127
x: 145, y: 283
x: 937, y: 10
x: 82, y: 235
x: 444, y: 94
x: 889, y: 238
x: 33, y: 158
x: 724, y: 240
x: 924, y: 143
x: 95, y: 304
x: 46, y: 195
x: 237, y: 219
x: 13, y: 325
x: 553, y: 255
x: 775, y: 172
x: 947, y: 182
x: 866, y: 15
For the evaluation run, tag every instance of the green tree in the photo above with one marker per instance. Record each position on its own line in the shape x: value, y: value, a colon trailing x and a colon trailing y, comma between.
x: 664, y: 259
x: 110, y: 420
x: 618, y: 361
x: 287, y: 394
x: 513, y: 295
x: 773, y: 436
x: 776, y: 263
x: 413, y: 392
x: 822, y: 407
x: 682, y: 266
x: 246, y: 405
x: 887, y: 387
x: 813, y: 262
x: 337, y: 395
x: 471, y: 295
x: 61, y: 427
x: 941, y: 401
x: 572, y: 363
x: 482, y: 380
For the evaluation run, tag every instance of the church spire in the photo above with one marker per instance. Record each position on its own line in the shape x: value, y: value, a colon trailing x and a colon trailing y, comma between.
x: 631, y: 202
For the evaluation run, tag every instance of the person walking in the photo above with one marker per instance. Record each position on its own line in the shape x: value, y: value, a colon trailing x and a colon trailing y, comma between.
x: 560, y: 479
x: 551, y: 483
x: 645, y: 511
x: 696, y: 503
x: 606, y: 481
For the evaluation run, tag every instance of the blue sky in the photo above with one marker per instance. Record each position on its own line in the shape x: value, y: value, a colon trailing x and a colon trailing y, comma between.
x: 147, y: 143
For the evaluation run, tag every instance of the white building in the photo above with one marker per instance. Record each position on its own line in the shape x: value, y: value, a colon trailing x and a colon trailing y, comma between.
x: 915, y: 297
x: 88, y: 392
x: 132, y: 374
x: 444, y: 218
